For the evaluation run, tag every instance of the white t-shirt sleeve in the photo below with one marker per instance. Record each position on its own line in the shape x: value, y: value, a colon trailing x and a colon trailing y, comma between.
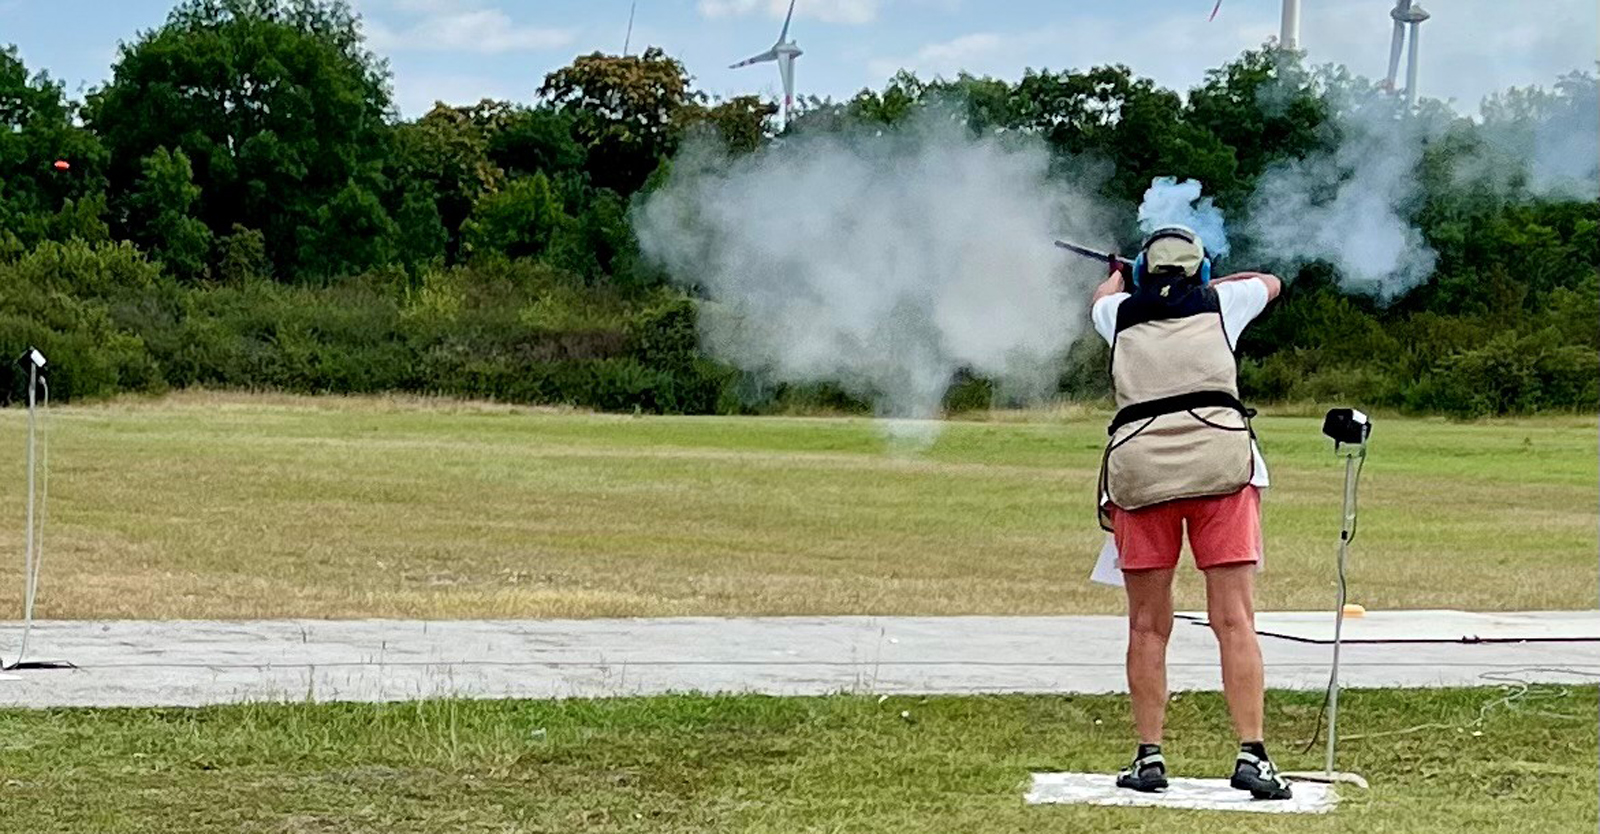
x: 1241, y: 302
x: 1105, y: 315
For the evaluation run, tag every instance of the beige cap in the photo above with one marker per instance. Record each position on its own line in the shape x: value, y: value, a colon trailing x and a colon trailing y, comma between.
x: 1168, y: 251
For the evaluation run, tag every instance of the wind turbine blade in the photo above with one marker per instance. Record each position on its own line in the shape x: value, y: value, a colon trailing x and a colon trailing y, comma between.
x: 1214, y: 10
x: 785, y: 33
x: 769, y: 55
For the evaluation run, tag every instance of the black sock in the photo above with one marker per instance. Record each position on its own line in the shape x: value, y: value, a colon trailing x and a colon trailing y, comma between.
x: 1254, y: 748
x: 1147, y: 750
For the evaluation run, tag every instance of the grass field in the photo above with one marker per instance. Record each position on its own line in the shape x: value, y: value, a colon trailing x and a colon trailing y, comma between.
x: 756, y: 764
x: 204, y: 506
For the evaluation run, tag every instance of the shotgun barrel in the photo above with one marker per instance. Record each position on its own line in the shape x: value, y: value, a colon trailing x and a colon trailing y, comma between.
x: 1094, y: 254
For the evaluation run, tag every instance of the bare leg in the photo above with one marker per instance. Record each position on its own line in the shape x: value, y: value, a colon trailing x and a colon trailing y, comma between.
x: 1230, y: 605
x: 1149, y: 627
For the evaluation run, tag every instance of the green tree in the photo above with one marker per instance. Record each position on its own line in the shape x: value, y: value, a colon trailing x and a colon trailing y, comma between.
x: 163, y: 222
x: 529, y: 140
x: 38, y: 201
x: 520, y: 220
x: 348, y: 234
x: 599, y: 241
x: 242, y: 256
x: 280, y: 110
x: 987, y: 103
x: 443, y: 159
x: 625, y: 112
x: 741, y: 123
x: 1264, y: 107
x: 1110, y: 114
x: 423, y: 237
x: 900, y: 97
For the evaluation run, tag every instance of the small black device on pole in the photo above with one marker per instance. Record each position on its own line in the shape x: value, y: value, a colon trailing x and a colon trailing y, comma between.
x: 1347, y: 427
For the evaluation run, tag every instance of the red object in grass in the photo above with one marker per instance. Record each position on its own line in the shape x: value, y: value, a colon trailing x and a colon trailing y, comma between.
x: 62, y: 165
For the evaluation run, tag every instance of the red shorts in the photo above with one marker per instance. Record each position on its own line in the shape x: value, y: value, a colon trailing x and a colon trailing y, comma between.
x: 1225, y: 530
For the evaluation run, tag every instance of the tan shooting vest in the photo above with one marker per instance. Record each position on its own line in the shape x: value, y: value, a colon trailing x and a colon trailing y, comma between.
x: 1180, y: 430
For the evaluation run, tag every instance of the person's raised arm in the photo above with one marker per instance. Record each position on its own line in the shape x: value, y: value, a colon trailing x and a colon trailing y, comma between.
x: 1111, y: 286
x: 1273, y: 283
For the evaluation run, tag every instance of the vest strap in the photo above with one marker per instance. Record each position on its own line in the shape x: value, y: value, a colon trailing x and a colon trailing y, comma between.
x: 1182, y: 402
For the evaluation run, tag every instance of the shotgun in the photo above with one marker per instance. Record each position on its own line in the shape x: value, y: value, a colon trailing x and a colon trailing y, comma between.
x: 1104, y: 257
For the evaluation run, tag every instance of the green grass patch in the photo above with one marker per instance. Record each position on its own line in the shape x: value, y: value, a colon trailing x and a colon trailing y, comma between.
x: 211, y: 506
x: 753, y: 763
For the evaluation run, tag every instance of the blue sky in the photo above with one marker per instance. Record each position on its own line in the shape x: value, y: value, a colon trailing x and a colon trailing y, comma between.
x: 463, y: 50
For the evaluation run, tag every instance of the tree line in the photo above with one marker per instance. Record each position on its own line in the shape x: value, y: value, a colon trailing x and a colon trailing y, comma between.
x: 242, y: 207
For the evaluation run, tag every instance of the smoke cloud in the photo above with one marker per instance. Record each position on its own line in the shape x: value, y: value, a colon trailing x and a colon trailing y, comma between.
x: 1168, y: 202
x: 1350, y: 206
x: 1550, y: 139
x: 890, y: 261
x: 886, y: 262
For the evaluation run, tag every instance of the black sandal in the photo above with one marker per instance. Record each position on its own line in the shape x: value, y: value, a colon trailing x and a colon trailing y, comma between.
x: 1260, y: 777
x: 1147, y: 774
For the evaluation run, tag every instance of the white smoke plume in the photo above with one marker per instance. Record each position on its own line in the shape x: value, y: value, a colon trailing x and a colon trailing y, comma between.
x: 1350, y: 207
x: 1168, y: 202
x: 885, y: 262
x: 1548, y: 139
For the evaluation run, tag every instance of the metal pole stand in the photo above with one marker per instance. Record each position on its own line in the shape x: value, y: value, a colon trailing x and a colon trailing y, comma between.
x: 34, y: 542
x: 1354, y: 454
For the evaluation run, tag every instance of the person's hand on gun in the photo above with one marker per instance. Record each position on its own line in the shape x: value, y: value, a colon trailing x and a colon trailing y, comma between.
x: 1114, y: 283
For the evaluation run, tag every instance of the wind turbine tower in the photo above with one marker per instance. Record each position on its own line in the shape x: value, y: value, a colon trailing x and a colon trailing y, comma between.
x: 1289, y: 33
x: 1406, y: 14
x: 783, y: 53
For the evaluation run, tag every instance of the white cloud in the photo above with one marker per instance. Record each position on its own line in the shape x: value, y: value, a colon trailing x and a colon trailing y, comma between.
x: 447, y: 27
x: 966, y: 53
x: 962, y: 49
x: 853, y: 12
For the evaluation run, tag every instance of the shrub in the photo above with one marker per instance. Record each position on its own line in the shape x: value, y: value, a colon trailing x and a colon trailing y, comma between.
x: 59, y: 298
x: 344, y: 338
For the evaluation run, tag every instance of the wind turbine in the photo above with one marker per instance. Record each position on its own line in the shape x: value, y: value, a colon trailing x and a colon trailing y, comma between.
x: 1405, y: 13
x: 1289, y: 27
x: 783, y: 52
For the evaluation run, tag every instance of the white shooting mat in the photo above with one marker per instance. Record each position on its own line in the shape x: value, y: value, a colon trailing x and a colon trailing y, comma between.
x: 1190, y: 794
x: 1426, y: 626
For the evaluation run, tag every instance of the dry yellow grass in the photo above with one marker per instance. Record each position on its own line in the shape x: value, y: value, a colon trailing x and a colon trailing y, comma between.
x: 237, y: 506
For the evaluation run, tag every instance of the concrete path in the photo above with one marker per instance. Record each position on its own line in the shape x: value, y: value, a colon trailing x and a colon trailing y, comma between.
x: 150, y: 663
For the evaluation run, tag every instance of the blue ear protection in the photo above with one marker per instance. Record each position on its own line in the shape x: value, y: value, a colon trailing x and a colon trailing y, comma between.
x: 1170, y: 231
